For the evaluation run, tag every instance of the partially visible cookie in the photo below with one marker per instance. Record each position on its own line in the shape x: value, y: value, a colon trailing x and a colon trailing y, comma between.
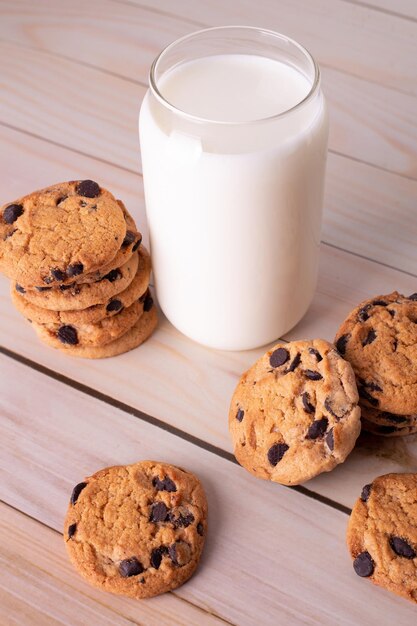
x: 80, y: 335
x: 60, y: 234
x: 382, y: 534
x: 294, y: 414
x: 91, y: 314
x: 134, y: 337
x: 137, y: 530
x: 379, y: 339
x: 388, y: 424
x: 80, y: 296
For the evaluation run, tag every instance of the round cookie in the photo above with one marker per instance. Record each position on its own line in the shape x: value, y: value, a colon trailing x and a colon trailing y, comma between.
x: 92, y: 314
x: 382, y: 534
x: 133, y: 338
x: 66, y: 336
x: 379, y: 339
x: 387, y: 428
x: 294, y: 414
x: 137, y: 530
x: 60, y: 234
x: 81, y: 296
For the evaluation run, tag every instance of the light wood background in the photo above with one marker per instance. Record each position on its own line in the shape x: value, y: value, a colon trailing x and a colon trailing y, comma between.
x: 72, y: 77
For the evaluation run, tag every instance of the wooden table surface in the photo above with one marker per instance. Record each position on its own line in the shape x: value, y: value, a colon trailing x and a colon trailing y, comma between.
x: 72, y: 77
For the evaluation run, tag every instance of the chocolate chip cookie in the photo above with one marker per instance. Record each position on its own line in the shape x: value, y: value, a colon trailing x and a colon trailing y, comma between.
x: 379, y: 339
x: 91, y: 314
x: 80, y: 296
x: 64, y: 336
x: 388, y: 424
x: 294, y: 414
x: 382, y: 534
x: 60, y: 234
x: 137, y: 530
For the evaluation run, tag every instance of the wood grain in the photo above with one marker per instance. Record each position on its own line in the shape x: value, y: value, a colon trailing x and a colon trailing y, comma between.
x: 369, y: 122
x: 38, y: 586
x: 286, y: 550
x: 404, y: 8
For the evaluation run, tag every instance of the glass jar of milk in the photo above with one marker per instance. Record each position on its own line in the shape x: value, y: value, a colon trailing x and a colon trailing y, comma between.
x: 233, y: 133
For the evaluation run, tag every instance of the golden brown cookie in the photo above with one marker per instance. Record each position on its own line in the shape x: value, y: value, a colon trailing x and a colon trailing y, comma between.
x: 379, y: 339
x: 137, y: 530
x: 81, y: 296
x: 388, y: 424
x: 66, y: 336
x: 294, y: 414
x: 134, y: 337
x: 91, y: 314
x: 382, y: 534
x: 60, y: 234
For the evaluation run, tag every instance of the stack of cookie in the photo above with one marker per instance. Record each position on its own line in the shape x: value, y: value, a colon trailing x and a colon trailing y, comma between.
x: 379, y: 339
x: 79, y: 271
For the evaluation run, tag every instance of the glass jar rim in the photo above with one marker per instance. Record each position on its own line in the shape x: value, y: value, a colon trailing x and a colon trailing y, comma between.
x: 195, y: 118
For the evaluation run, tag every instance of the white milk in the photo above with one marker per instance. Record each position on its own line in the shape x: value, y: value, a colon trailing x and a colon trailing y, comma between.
x: 234, y: 207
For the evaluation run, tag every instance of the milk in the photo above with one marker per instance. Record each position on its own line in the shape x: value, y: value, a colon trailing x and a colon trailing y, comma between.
x: 234, y: 196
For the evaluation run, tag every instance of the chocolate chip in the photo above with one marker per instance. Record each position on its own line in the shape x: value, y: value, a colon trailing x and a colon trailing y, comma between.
x: 129, y: 238
x: 413, y: 296
x: 156, y: 556
x: 363, y: 314
x: 130, y: 567
x: 402, y: 547
x: 12, y: 212
x: 181, y: 518
x: 200, y: 529
x: 159, y: 512
x: 276, y: 452
x: 179, y: 553
x: 386, y: 430
x: 379, y: 303
x: 240, y: 415
x: 113, y: 275
x: 370, y: 337
x: 19, y: 288
x: 365, y: 492
x: 391, y: 312
x: 66, y: 287
x: 166, y: 484
x: 43, y: 288
x: 75, y: 269
x: 341, y: 344
x: 68, y: 334
x: 329, y: 439
x: 71, y: 530
x: 397, y: 419
x: 137, y: 244
x: 364, y: 565
x: 88, y: 189
x: 316, y: 353
x: 317, y: 428
x: 148, y: 302
x: 76, y: 492
x: 114, y: 305
x: 58, y: 274
x: 295, y: 362
x: 313, y: 375
x: 328, y: 406
x: 308, y: 407
x: 371, y: 385
x: 279, y: 357
x: 367, y: 396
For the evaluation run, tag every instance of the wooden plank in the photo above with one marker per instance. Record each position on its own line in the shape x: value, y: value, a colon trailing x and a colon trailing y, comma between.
x: 404, y: 8
x: 369, y: 122
x: 197, y: 382
x: 288, y: 551
x: 90, y: 121
x: 38, y: 586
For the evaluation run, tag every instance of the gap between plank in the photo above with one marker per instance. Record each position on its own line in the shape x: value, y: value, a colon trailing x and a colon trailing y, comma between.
x: 154, y: 421
x: 372, y: 7
x: 139, y: 174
